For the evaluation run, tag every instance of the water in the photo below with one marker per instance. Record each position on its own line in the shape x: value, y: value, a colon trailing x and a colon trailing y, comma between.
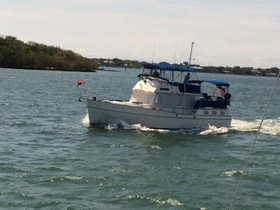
x: 50, y: 159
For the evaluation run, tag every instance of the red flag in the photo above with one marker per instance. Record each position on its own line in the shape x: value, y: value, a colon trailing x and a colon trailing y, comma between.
x: 80, y: 82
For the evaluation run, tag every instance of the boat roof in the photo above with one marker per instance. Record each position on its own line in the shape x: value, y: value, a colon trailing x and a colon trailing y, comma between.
x: 168, y: 67
x: 214, y: 82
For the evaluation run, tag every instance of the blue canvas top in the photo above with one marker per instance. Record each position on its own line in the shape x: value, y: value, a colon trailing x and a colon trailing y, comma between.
x: 168, y: 67
x: 214, y: 82
x: 218, y: 83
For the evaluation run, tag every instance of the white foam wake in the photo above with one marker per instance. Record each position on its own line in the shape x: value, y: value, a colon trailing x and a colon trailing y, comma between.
x: 85, y: 121
x: 212, y: 130
x: 269, y: 126
x: 158, y: 202
x: 126, y: 126
x: 232, y: 173
x: 120, y: 124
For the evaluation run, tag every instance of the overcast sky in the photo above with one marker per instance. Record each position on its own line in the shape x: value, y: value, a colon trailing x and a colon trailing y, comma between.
x: 225, y: 32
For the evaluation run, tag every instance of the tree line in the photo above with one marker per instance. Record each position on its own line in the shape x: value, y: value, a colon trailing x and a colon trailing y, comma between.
x: 17, y: 54
x: 242, y: 70
x: 31, y: 55
x: 208, y: 69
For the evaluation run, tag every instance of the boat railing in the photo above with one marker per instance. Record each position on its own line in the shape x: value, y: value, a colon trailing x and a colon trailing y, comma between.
x: 212, y: 101
x: 189, y: 88
x: 218, y: 104
x: 154, y: 77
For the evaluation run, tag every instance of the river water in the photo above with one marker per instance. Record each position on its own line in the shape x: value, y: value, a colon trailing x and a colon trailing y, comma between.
x: 51, y: 159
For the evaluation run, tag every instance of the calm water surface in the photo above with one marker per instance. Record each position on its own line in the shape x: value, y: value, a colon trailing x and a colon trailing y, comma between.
x: 50, y: 159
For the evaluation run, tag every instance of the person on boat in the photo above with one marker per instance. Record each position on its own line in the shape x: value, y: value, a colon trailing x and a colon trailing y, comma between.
x: 155, y: 73
x: 186, y: 81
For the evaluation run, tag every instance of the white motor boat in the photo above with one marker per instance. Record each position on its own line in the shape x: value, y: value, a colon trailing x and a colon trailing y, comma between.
x: 166, y: 97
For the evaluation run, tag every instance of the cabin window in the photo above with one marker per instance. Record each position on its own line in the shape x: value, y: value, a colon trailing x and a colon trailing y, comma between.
x: 143, y: 97
x: 206, y: 112
x: 222, y: 113
x: 214, y: 113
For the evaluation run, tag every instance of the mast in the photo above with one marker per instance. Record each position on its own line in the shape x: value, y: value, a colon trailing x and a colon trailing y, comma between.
x: 190, y: 59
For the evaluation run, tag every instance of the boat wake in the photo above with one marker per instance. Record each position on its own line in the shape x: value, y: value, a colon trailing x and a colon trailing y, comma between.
x: 212, y: 130
x: 123, y: 125
x: 269, y: 127
x: 120, y: 124
x: 85, y: 121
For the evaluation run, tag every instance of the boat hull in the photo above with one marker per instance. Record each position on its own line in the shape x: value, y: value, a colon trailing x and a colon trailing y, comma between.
x: 105, y: 112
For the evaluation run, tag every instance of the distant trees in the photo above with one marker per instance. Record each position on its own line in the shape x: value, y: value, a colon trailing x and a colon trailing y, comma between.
x: 241, y: 70
x: 31, y: 55
x: 17, y: 54
x: 116, y: 62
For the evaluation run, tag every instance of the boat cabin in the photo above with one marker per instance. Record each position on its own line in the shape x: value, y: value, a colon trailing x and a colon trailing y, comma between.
x: 171, y: 87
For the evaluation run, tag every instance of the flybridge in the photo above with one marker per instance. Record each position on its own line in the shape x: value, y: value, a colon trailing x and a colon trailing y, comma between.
x: 182, y: 69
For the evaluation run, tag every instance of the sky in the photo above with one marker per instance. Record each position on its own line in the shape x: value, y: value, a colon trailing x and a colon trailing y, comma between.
x: 231, y: 33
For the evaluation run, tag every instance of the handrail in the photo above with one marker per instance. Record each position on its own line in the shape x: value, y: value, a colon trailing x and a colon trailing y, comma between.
x: 158, y: 77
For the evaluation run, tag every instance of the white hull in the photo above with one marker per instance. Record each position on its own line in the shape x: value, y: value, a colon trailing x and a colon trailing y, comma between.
x: 105, y: 112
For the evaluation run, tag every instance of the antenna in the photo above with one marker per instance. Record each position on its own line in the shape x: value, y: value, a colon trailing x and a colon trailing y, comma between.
x: 153, y: 52
x: 190, y: 59
x: 175, y: 54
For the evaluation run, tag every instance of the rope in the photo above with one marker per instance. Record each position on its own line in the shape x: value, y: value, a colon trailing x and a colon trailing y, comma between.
x: 254, y: 142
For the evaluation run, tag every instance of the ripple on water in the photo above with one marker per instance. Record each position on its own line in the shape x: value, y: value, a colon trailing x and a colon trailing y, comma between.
x: 232, y: 173
x: 156, y: 201
x: 69, y: 179
x: 51, y: 160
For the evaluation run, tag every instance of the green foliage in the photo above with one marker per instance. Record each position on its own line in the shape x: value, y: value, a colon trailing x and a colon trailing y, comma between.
x: 31, y: 55
x: 17, y: 54
x: 241, y: 70
x: 115, y: 62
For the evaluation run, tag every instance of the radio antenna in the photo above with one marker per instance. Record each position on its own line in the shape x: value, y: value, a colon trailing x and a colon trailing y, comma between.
x: 190, y: 59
